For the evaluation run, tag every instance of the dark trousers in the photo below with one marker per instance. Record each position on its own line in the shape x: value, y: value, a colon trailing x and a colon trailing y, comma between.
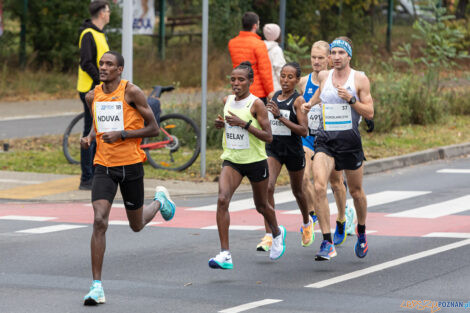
x: 87, y: 155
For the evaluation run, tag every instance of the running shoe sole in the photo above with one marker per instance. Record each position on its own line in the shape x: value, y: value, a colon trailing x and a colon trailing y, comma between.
x: 216, y: 265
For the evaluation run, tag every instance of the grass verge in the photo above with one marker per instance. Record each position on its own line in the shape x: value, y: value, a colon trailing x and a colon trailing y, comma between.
x: 44, y: 154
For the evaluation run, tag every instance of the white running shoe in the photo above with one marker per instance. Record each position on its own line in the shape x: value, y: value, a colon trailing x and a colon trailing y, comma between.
x: 223, y: 261
x: 279, y: 244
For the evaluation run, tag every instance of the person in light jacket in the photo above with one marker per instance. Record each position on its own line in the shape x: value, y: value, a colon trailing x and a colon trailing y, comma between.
x: 276, y: 55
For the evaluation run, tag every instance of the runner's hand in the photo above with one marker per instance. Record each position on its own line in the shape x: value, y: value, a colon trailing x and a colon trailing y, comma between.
x: 370, y: 125
x: 111, y: 137
x: 234, y: 120
x: 219, y: 122
x: 273, y: 108
x: 85, y: 142
x: 306, y: 107
x: 344, y: 94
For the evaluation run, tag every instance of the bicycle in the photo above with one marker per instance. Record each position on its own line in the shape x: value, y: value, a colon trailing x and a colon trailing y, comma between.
x: 175, y: 148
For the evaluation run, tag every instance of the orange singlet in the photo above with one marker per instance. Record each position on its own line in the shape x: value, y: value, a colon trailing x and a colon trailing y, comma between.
x: 111, y: 112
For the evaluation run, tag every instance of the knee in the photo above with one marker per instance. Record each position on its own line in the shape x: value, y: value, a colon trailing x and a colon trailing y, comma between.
x: 223, y: 202
x: 337, y: 186
x: 136, y: 228
x: 320, y: 189
x: 356, y: 193
x: 262, y: 208
x: 100, y: 224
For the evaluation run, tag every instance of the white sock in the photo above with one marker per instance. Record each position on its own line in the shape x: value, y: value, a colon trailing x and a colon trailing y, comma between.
x: 306, y: 225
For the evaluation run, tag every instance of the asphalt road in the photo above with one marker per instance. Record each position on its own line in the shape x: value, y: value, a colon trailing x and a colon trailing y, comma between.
x: 11, y: 128
x: 419, y: 254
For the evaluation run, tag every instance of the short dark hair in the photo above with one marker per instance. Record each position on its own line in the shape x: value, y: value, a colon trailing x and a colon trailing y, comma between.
x: 246, y: 65
x: 118, y: 56
x: 296, y: 66
x: 96, y: 6
x: 248, y: 20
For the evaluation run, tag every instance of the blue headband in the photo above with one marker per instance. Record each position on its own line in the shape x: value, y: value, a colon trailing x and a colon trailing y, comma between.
x: 338, y: 43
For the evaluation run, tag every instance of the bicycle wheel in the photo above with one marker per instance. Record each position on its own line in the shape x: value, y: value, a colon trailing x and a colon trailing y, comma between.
x: 179, y: 143
x: 71, y: 139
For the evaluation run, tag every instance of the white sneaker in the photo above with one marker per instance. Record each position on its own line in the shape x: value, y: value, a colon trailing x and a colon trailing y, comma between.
x: 223, y: 260
x: 279, y: 244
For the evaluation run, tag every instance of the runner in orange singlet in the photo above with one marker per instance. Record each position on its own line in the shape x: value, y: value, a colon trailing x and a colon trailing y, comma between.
x: 119, y: 111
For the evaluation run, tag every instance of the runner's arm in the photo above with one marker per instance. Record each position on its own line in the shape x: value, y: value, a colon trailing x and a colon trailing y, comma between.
x: 300, y: 129
x: 364, y: 107
x: 259, y: 111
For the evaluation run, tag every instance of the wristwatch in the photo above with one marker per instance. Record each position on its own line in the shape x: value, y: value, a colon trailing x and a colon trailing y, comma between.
x: 352, y: 100
x: 123, y: 134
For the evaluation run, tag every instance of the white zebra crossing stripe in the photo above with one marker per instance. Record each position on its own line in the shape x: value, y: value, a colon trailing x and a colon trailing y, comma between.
x: 236, y: 227
x: 437, y: 209
x: 50, y: 229
x: 126, y: 223
x: 247, y: 204
x: 27, y: 218
x: 448, y: 235
x: 375, y: 199
x: 453, y: 171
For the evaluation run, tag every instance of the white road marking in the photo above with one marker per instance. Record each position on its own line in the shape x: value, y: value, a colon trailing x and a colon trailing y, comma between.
x: 20, y: 181
x: 437, y: 209
x: 247, y: 204
x: 454, y: 171
x: 27, y: 218
x: 115, y: 205
x: 249, y: 306
x: 375, y: 199
x: 126, y: 223
x: 28, y: 117
x: 383, y: 266
x: 236, y: 227
x: 448, y: 235
x: 50, y: 229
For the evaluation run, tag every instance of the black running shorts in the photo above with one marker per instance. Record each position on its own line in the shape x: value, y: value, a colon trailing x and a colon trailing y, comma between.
x: 130, y: 179
x: 293, y: 163
x: 256, y: 172
x: 346, y: 160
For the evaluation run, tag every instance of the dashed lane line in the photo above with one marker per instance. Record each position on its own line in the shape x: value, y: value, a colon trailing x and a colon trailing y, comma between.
x: 249, y: 306
x: 386, y: 265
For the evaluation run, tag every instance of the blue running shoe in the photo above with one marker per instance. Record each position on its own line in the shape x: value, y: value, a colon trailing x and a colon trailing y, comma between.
x: 361, y: 246
x: 167, y: 207
x: 95, y: 296
x: 314, y: 217
x: 340, y: 233
x: 327, y: 251
x: 350, y: 226
x: 223, y: 261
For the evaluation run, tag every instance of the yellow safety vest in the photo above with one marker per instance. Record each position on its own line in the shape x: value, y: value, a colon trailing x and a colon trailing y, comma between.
x: 85, y: 82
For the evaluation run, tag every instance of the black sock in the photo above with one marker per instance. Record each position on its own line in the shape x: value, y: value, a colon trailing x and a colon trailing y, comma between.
x: 340, y: 229
x: 361, y: 229
x: 327, y: 237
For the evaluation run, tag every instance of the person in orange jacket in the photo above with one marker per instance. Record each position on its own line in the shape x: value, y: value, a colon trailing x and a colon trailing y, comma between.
x: 248, y: 46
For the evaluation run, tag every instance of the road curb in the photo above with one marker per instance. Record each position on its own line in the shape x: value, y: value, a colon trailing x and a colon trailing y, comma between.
x: 442, y: 153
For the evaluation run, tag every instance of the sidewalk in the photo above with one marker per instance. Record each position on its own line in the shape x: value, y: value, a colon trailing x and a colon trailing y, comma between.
x: 25, y: 186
